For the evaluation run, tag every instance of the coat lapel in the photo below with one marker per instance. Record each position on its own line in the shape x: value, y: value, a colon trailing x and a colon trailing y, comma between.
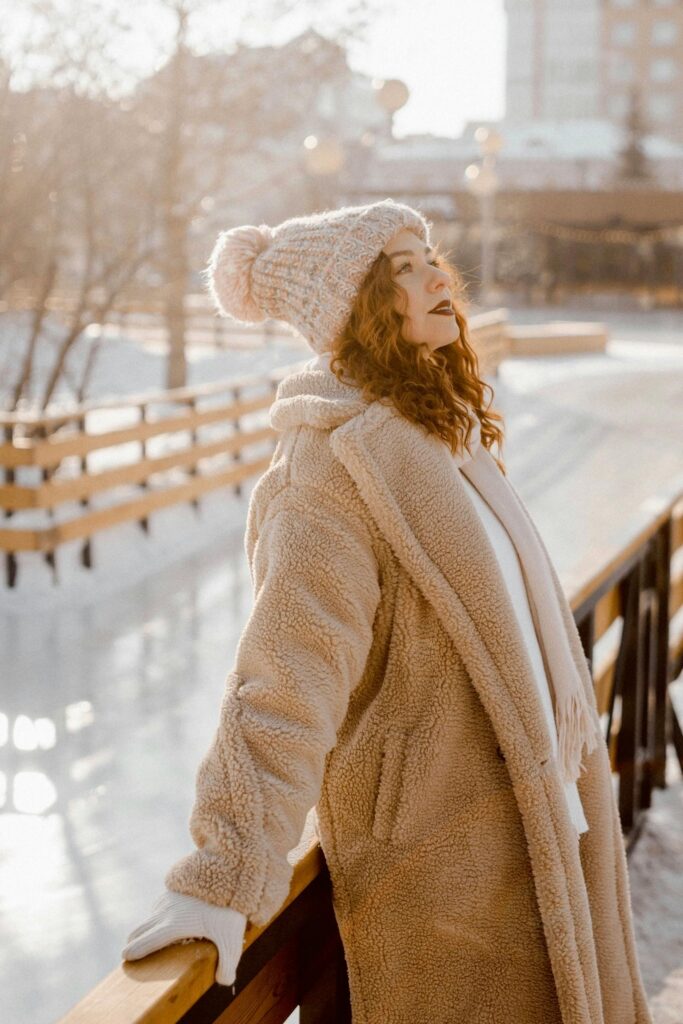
x: 409, y: 484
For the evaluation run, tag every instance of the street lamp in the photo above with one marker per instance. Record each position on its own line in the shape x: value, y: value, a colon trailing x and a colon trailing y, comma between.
x: 326, y: 155
x: 481, y: 180
x: 323, y: 156
x: 390, y: 93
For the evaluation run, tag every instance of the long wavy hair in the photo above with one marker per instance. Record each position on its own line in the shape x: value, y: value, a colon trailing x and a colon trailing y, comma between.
x: 431, y: 389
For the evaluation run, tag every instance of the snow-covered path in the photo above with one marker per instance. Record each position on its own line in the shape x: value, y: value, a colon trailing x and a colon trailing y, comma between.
x: 656, y: 875
x: 110, y: 693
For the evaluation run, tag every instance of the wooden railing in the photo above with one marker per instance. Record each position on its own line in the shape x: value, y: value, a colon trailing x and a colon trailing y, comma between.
x: 57, y: 485
x: 297, y: 958
x: 57, y: 453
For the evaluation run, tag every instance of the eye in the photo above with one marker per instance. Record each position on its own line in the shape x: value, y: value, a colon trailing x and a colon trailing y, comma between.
x: 432, y: 263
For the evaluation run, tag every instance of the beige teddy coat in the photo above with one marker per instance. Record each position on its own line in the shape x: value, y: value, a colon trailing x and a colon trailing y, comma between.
x: 382, y: 676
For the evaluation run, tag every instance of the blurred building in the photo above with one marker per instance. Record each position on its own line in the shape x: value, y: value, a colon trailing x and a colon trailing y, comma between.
x: 587, y: 58
x: 564, y: 221
x: 233, y: 124
x: 578, y: 155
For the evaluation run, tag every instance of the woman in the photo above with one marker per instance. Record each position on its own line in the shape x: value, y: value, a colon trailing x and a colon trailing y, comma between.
x: 410, y: 666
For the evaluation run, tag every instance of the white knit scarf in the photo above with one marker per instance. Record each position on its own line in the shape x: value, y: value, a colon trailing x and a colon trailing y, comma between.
x: 577, y: 722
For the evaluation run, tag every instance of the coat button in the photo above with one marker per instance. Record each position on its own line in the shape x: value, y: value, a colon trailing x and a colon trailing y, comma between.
x: 500, y: 754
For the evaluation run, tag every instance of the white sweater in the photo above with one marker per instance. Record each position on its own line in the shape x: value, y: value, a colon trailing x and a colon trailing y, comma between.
x: 514, y: 580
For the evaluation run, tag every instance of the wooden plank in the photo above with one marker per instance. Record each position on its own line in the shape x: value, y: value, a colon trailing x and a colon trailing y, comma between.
x: 51, y: 451
x: 28, y: 540
x: 182, y: 396
x: 160, y: 988
x: 186, y: 394
x: 272, y: 995
x: 102, y: 519
x: 676, y: 592
x: 15, y: 497
x: 612, y: 565
x: 49, y: 495
x: 607, y: 610
x: 677, y: 526
x: 19, y: 453
x: 603, y: 682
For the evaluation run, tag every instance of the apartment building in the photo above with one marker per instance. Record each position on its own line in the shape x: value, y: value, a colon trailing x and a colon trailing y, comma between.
x: 585, y: 59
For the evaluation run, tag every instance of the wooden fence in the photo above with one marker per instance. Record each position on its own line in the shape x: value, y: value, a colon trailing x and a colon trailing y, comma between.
x: 297, y: 958
x: 65, y: 478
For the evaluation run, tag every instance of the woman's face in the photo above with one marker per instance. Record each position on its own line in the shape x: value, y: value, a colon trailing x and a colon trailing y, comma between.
x: 424, y: 287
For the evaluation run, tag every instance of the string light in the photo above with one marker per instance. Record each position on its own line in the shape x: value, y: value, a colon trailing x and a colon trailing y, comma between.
x: 614, y: 236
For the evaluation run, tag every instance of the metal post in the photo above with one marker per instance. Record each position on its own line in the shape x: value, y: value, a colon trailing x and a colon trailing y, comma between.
x: 487, y: 201
x: 662, y: 584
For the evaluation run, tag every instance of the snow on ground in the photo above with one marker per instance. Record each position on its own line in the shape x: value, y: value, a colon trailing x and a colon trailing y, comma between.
x: 124, y: 555
x: 124, y: 366
x: 656, y: 876
x: 127, y: 561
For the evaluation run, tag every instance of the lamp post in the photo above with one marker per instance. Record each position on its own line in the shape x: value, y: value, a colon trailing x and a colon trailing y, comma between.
x: 325, y: 155
x: 482, y: 181
x: 390, y: 93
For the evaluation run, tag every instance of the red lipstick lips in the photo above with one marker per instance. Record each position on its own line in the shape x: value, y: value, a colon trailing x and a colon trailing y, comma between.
x: 443, y: 308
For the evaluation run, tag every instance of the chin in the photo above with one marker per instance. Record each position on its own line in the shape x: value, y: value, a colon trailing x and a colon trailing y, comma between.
x: 442, y: 344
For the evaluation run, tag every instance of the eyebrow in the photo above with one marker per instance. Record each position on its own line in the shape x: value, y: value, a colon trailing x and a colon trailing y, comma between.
x: 407, y: 252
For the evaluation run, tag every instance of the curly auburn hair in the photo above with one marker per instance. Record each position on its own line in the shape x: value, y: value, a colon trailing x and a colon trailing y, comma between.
x: 431, y: 389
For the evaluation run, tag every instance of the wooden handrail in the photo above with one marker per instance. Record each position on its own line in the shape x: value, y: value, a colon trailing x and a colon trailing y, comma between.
x: 161, y: 988
x: 89, y: 523
x: 51, y: 452
x: 47, y: 441
x: 496, y: 317
x: 47, y: 495
x: 164, y: 987
x: 145, y: 398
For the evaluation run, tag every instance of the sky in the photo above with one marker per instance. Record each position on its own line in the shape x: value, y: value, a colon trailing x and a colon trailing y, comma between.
x: 450, y: 53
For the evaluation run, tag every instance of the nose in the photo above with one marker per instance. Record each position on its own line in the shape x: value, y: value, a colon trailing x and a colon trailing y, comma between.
x: 438, y: 279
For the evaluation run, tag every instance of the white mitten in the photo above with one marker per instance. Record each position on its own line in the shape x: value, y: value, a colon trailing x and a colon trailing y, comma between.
x: 176, y: 917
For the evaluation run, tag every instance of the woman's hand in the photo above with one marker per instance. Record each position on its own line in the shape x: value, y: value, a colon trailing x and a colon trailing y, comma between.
x: 177, y: 918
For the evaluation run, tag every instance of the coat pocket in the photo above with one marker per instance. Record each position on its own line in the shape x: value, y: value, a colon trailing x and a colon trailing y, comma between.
x: 389, y: 783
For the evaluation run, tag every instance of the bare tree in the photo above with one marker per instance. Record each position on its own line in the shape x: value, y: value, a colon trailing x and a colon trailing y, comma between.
x: 105, y: 182
x: 218, y: 108
x: 633, y: 164
x: 76, y: 206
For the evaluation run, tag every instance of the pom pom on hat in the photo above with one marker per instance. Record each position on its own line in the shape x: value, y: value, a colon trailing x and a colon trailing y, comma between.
x: 230, y: 270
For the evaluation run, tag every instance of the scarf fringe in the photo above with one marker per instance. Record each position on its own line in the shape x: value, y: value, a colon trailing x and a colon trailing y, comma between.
x: 578, y: 726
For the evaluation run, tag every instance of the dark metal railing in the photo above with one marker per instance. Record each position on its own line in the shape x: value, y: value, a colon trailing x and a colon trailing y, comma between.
x: 298, y: 959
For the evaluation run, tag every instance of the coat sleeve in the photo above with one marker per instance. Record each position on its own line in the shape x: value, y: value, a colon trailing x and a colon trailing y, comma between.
x: 300, y: 655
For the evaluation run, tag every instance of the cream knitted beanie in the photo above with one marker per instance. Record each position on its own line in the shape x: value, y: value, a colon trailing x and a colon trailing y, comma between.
x: 307, y: 270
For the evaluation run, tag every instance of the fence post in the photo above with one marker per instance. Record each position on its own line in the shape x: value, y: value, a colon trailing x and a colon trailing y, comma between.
x: 237, y: 454
x: 86, y: 550
x: 193, y: 470
x: 662, y: 670
x: 144, y: 521
x: 629, y: 681
x: 46, y: 474
x: 10, y: 475
x: 649, y: 694
x: 586, y: 630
